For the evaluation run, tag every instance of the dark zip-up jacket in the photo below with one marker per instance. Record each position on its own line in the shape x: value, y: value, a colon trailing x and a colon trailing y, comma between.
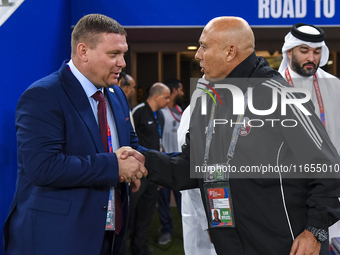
x: 269, y: 209
x: 147, y: 126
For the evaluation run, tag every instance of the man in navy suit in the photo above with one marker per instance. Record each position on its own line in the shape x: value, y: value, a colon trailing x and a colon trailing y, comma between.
x: 65, y: 174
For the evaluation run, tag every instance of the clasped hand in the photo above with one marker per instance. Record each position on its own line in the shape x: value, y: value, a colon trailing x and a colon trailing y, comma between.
x: 131, y: 164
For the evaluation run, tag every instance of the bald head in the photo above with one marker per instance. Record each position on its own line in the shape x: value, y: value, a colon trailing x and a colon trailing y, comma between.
x: 159, y: 96
x: 233, y: 30
x: 225, y: 43
x: 157, y: 89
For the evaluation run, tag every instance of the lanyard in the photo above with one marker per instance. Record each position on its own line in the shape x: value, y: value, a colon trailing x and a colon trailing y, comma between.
x: 159, y: 126
x: 234, y: 137
x: 173, y: 115
x: 178, y: 109
x: 159, y: 132
x: 109, y: 139
x: 317, y: 92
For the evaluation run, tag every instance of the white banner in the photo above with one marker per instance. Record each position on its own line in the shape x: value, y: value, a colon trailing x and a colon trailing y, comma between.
x: 7, y: 8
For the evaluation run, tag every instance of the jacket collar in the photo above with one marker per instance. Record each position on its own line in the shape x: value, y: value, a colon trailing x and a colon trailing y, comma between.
x: 148, y: 106
x: 238, y: 76
x: 251, y: 72
x: 246, y: 68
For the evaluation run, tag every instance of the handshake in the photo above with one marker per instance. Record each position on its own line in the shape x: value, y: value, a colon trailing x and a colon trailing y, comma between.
x: 131, y: 164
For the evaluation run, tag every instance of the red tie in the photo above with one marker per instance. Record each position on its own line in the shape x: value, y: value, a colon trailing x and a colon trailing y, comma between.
x: 104, y: 130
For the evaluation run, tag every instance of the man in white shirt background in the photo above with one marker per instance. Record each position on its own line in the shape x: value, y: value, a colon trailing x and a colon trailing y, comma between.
x: 304, y: 51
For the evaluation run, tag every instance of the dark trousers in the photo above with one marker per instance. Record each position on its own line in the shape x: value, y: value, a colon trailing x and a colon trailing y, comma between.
x: 112, y: 243
x: 164, y: 196
x: 142, y: 208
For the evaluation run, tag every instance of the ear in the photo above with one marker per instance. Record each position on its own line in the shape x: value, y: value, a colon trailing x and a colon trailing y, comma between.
x: 289, y: 53
x: 231, y: 51
x: 82, y: 51
x: 126, y: 90
x: 174, y: 91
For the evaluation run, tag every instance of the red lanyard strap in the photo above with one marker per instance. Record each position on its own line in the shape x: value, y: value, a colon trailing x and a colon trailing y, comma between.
x: 317, y: 92
x: 173, y: 115
x: 178, y: 109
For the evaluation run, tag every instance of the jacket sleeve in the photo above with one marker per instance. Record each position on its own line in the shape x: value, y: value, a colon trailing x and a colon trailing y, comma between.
x: 318, y: 162
x: 171, y: 172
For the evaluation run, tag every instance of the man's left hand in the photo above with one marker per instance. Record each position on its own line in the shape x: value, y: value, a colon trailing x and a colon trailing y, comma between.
x: 305, y: 244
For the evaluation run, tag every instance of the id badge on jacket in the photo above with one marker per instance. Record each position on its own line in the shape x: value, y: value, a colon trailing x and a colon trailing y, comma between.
x: 218, y: 197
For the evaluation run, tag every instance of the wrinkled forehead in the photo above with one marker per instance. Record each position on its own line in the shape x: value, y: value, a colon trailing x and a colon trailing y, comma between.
x: 211, y: 36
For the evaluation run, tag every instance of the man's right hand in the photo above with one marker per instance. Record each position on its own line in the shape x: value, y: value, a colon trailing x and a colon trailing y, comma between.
x: 131, y: 164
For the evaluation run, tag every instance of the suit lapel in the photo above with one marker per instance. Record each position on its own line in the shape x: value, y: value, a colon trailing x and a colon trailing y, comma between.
x: 115, y: 97
x: 118, y: 114
x: 78, y: 97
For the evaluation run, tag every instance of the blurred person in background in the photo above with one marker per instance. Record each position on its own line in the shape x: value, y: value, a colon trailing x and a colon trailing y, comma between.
x: 196, y: 240
x: 149, y: 124
x: 128, y: 85
x: 172, y: 117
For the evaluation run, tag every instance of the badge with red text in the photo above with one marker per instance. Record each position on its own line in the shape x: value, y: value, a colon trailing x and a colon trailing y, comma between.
x: 245, y: 127
x: 110, y: 222
x: 218, y: 200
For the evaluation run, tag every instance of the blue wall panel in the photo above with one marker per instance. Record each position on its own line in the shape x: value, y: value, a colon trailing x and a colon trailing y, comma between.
x: 199, y: 12
x: 33, y: 43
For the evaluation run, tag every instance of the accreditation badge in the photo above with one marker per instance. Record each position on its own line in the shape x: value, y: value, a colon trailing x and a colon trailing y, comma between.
x: 215, y: 172
x: 110, y: 223
x: 219, y: 202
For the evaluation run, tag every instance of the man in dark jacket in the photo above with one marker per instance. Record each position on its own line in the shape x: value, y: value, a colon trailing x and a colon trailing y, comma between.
x: 269, y: 213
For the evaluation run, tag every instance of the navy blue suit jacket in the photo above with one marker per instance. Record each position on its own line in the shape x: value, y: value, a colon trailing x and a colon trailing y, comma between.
x: 64, y: 174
